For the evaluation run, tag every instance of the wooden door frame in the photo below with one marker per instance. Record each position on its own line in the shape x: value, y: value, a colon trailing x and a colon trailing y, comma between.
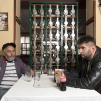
x: 94, y: 26
x: 15, y: 21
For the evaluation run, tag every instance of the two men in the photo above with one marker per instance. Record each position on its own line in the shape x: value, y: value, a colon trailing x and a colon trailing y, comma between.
x: 88, y: 74
x: 11, y: 68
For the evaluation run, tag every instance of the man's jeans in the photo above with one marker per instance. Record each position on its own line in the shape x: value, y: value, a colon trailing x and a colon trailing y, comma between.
x: 3, y: 91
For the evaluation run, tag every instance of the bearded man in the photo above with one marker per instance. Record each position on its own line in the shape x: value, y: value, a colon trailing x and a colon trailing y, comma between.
x: 11, y: 68
x: 88, y: 74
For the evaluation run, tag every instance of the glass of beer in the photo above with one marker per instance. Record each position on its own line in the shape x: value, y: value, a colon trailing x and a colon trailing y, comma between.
x: 28, y: 76
x: 57, y: 78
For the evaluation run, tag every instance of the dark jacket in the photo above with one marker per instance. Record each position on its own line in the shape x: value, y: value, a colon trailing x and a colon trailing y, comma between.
x: 77, y: 78
x: 21, y: 67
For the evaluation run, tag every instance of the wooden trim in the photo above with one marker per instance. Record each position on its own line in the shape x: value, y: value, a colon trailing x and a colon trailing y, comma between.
x: 94, y: 9
x: 15, y: 21
x: 90, y: 20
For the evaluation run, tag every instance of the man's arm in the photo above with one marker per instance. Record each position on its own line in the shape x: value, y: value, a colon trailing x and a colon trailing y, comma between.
x: 73, y: 74
x: 24, y: 67
x: 90, y: 82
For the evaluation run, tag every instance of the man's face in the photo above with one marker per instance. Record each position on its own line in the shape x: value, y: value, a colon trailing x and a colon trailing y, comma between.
x: 85, y: 51
x: 9, y: 53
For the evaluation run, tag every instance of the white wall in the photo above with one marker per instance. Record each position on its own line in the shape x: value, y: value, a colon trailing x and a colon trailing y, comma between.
x: 89, y: 28
x: 98, y: 24
x: 89, y: 14
x: 7, y: 36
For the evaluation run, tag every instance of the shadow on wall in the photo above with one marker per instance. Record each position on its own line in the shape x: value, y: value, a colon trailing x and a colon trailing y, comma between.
x: 1, y: 53
x: 99, y: 8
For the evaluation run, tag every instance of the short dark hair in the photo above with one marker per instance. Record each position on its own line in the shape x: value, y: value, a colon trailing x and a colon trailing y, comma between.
x: 8, y: 44
x: 86, y: 39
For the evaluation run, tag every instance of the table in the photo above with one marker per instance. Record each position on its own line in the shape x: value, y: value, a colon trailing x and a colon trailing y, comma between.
x: 24, y: 91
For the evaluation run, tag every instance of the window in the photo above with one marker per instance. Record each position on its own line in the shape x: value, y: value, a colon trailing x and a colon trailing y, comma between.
x: 25, y: 45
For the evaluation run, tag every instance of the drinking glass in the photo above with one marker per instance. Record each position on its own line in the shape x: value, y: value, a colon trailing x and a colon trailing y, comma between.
x: 37, y: 75
x: 58, y: 77
x: 28, y: 76
x: 58, y: 81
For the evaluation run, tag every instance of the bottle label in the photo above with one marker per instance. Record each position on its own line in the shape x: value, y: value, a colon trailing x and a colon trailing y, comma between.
x: 63, y: 79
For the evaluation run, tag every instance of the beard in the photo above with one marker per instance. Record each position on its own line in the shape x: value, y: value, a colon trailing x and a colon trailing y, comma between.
x: 10, y: 58
x: 87, y: 56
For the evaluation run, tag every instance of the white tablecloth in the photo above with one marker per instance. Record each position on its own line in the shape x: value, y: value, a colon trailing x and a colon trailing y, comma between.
x: 24, y: 91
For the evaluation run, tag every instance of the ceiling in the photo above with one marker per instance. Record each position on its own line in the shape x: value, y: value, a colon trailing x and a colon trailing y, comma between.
x: 25, y: 25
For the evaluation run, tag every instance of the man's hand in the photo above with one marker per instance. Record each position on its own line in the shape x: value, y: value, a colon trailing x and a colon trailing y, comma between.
x: 32, y: 72
x: 57, y: 74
